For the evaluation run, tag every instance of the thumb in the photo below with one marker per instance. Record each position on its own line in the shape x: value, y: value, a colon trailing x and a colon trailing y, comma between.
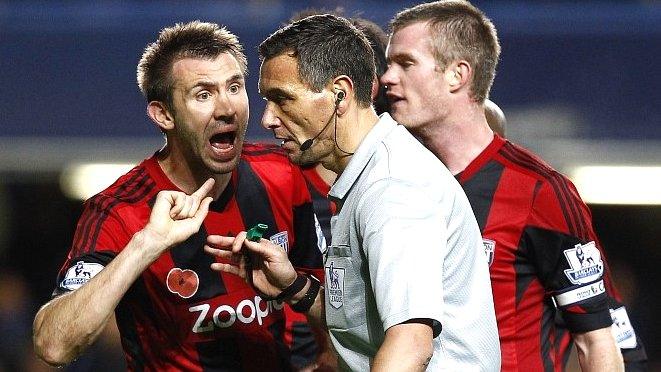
x: 262, y: 248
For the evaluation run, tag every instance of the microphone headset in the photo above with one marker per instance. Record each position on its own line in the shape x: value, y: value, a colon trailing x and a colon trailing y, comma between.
x: 339, y: 97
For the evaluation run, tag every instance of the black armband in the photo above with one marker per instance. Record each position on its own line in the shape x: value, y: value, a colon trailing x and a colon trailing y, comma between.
x: 305, y: 303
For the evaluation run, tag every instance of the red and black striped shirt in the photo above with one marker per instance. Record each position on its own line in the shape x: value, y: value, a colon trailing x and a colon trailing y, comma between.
x: 542, y: 248
x: 218, y: 322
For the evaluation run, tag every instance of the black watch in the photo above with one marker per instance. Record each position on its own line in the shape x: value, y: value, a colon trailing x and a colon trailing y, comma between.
x: 305, y: 303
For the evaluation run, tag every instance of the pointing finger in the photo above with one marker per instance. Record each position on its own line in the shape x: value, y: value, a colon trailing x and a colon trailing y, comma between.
x: 205, y: 189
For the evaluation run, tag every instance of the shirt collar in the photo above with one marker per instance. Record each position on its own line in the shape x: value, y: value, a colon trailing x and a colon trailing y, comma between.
x: 362, y: 156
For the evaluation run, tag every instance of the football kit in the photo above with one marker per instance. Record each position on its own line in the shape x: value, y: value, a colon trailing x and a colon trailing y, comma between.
x: 179, y: 314
x: 544, y: 256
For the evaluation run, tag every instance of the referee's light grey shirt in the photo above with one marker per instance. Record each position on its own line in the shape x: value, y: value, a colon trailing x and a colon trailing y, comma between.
x: 406, y: 245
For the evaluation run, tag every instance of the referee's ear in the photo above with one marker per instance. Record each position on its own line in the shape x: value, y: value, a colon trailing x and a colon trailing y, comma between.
x: 160, y: 115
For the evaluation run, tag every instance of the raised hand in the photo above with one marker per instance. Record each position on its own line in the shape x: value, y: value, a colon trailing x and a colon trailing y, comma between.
x: 176, y: 216
x: 262, y: 264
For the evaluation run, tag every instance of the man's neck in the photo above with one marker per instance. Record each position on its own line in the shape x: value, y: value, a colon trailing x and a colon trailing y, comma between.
x: 458, y: 139
x: 325, y: 174
x: 180, y: 171
x: 350, y: 133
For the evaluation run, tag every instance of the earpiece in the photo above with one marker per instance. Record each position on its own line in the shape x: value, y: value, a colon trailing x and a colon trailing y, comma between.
x: 339, y: 97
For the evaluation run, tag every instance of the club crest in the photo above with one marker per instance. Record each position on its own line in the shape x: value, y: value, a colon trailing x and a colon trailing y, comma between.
x: 585, y: 263
x: 489, y: 249
x: 80, y: 274
x: 281, y: 239
x: 335, y: 277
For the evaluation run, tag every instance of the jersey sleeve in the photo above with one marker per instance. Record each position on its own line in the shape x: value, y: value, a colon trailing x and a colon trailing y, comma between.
x: 563, y: 247
x: 309, y: 239
x: 574, y: 269
x: 404, y: 244
x: 100, y: 235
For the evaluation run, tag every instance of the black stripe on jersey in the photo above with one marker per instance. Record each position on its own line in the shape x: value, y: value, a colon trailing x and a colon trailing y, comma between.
x: 572, y: 216
x: 547, y: 257
x: 306, y: 253
x: 253, y: 200
x: 561, y: 334
x: 123, y: 195
x: 100, y: 202
x: 304, y: 348
x: 219, y: 204
x: 582, y: 228
x: 137, y: 295
x: 546, y: 339
x: 190, y: 255
x: 277, y: 329
x: 137, y: 196
x: 220, y: 355
x: 322, y: 208
x: 524, y: 270
x: 481, y: 189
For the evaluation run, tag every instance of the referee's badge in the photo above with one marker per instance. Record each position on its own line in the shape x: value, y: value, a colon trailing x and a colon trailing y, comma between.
x: 335, y: 283
x: 281, y: 239
x: 489, y: 249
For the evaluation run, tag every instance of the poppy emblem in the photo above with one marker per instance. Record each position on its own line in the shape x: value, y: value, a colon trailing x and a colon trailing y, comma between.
x: 183, y: 282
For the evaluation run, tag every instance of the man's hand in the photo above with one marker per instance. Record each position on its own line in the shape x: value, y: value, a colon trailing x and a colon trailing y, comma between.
x: 176, y: 216
x: 268, y: 270
x: 68, y: 324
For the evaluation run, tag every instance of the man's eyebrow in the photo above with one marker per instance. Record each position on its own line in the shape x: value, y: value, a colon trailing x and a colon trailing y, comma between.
x: 398, y: 57
x: 235, y: 77
x: 205, y: 83
x: 275, y: 92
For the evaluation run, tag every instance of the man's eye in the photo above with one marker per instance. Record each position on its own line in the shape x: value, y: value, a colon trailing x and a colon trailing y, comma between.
x: 234, y: 88
x: 203, y: 96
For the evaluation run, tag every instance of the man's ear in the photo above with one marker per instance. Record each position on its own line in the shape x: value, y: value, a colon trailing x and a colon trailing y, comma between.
x: 160, y: 115
x: 457, y: 75
x: 343, y: 88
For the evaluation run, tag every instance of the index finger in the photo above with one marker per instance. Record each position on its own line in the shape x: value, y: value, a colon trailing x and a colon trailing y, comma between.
x: 205, y: 189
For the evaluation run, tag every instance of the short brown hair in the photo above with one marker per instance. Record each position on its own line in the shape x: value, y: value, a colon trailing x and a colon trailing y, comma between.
x: 183, y: 40
x: 459, y: 31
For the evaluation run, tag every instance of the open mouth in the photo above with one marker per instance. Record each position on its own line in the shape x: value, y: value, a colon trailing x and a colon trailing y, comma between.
x: 223, y: 141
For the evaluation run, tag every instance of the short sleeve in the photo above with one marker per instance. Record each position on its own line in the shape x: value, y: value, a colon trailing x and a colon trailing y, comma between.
x: 404, y: 242
x: 100, y: 235
x: 560, y: 241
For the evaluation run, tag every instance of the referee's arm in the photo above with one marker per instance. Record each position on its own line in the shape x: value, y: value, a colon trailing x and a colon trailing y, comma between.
x: 407, y: 347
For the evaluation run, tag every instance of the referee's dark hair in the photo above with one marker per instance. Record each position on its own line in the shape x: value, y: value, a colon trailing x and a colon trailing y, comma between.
x: 378, y: 41
x: 326, y: 46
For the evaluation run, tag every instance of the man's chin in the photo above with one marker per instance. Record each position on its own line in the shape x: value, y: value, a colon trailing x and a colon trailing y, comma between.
x: 216, y: 167
x: 398, y: 116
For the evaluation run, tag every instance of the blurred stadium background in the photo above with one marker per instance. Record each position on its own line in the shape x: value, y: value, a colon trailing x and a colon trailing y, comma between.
x: 578, y: 81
